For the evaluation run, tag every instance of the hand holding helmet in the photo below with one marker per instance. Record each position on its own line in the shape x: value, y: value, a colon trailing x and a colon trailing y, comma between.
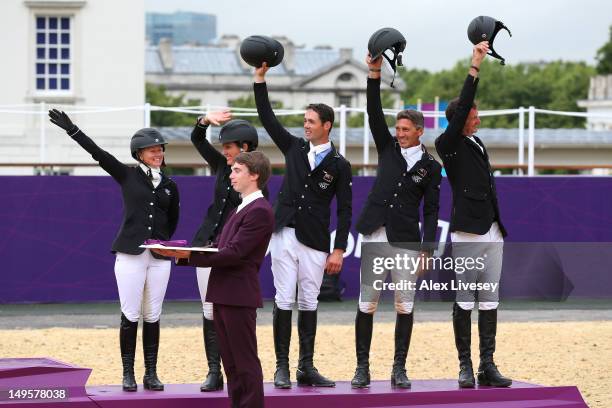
x: 485, y: 28
x: 373, y: 64
x: 479, y: 53
x: 260, y: 72
x: 59, y: 118
x: 387, y: 39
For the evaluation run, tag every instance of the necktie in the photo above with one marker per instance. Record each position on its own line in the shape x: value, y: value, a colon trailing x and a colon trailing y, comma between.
x: 319, y: 158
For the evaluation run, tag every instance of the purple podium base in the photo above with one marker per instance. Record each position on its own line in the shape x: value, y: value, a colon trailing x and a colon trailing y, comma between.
x: 47, y: 374
x: 426, y: 393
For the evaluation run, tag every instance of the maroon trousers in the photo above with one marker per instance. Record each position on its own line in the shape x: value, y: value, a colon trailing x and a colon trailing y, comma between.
x: 236, y: 331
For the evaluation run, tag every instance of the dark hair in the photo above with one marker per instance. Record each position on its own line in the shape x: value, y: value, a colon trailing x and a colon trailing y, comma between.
x: 325, y: 112
x: 257, y: 163
x: 414, y: 116
x: 452, y: 108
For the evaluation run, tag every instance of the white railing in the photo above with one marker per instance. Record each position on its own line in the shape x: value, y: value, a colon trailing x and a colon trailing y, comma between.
x: 40, y: 109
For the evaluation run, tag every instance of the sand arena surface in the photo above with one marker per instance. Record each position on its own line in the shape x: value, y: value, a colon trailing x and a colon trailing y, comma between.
x: 565, y: 353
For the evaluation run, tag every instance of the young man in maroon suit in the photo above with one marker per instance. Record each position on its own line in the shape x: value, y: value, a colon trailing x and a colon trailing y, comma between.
x: 233, y: 287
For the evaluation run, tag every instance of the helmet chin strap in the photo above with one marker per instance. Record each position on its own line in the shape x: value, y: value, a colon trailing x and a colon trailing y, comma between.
x: 395, y: 62
x: 498, y: 27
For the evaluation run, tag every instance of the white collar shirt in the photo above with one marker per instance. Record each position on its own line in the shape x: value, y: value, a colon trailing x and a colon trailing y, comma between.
x: 314, y: 150
x: 412, y: 154
x: 249, y: 199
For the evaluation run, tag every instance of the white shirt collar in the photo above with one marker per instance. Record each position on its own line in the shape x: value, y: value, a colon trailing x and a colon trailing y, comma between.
x: 249, y: 199
x: 409, y: 151
x: 146, y: 168
x: 155, y: 171
x: 476, y: 143
x: 319, y: 148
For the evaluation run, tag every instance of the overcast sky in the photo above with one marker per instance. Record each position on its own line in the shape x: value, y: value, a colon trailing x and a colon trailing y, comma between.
x: 435, y: 30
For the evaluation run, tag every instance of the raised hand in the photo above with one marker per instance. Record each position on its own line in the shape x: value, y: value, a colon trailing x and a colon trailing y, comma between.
x: 59, y: 118
x: 373, y: 64
x: 216, y: 117
x: 480, y: 52
x: 260, y: 73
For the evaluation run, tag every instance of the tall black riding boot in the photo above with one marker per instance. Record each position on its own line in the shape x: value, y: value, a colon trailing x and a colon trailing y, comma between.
x: 363, y: 339
x: 150, y: 343
x: 214, y: 378
x: 281, y: 327
x: 307, y: 374
x: 462, y: 326
x: 488, y: 374
x: 127, y: 344
x: 403, y: 332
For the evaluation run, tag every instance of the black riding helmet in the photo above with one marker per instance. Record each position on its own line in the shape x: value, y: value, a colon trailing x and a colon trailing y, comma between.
x: 485, y: 28
x: 387, y: 39
x: 146, y: 137
x: 257, y: 49
x: 239, y: 131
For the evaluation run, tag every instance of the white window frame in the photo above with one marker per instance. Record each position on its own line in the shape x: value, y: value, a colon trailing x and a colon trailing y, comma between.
x: 58, y: 61
x: 55, y: 8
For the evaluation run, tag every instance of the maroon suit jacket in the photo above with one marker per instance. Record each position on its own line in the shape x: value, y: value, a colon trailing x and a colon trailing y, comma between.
x: 234, y: 277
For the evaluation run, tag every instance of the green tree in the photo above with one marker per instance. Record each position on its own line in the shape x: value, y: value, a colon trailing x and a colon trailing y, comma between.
x: 248, y: 101
x: 157, y: 95
x: 554, y: 85
x: 355, y: 120
x: 604, y: 57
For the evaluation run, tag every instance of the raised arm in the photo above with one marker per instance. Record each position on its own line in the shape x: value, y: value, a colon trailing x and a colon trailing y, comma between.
x: 448, y: 140
x: 213, y: 157
x: 376, y: 117
x: 107, y: 161
x: 281, y: 137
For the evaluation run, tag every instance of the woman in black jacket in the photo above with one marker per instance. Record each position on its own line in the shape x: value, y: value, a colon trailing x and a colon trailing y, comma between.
x: 235, y: 136
x: 150, y: 211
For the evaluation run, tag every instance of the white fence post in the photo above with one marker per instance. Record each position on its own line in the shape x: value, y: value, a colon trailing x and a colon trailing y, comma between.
x: 530, y: 151
x: 147, y: 115
x: 521, y: 139
x: 436, y: 110
x: 209, y: 138
x: 343, y: 130
x: 43, y: 132
x: 366, y: 142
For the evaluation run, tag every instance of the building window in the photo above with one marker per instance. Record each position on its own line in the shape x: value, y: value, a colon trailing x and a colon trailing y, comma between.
x: 53, y: 68
x: 346, y: 100
x: 345, y: 77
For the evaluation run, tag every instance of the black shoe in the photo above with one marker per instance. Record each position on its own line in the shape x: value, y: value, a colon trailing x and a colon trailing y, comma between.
x: 127, y: 343
x: 306, y: 373
x: 466, y: 376
x: 403, y: 333
x: 281, y: 327
x: 488, y: 374
x: 150, y: 342
x: 363, y: 339
x: 361, y: 379
x: 462, y: 327
x: 399, y: 379
x: 214, y: 378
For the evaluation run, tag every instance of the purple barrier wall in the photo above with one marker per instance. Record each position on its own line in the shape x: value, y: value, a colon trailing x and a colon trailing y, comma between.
x: 55, y: 235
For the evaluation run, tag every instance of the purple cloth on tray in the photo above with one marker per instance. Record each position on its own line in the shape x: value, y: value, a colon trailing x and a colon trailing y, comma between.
x: 175, y: 243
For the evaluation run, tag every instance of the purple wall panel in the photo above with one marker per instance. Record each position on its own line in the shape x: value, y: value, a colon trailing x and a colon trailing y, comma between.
x: 55, y: 233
